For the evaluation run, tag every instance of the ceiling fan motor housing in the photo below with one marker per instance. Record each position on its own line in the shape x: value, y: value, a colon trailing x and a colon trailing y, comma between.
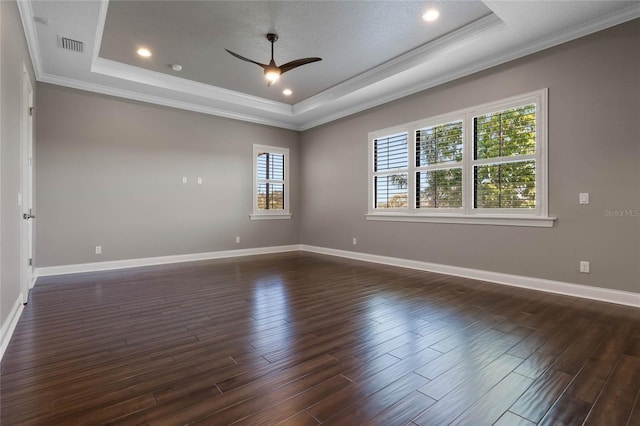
x: 272, y: 72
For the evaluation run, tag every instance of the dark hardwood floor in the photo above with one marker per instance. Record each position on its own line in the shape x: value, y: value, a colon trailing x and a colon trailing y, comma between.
x: 303, y: 339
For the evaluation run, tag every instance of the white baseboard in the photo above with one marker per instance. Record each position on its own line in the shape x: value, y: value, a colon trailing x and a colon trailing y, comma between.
x: 10, y: 325
x: 550, y: 286
x: 160, y: 260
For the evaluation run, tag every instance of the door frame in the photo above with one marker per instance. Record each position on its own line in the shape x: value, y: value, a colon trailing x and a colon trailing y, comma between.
x: 26, y: 186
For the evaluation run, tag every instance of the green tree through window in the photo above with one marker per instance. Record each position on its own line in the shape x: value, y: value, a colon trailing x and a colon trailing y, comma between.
x: 437, y: 148
x: 483, y: 164
x: 502, y: 137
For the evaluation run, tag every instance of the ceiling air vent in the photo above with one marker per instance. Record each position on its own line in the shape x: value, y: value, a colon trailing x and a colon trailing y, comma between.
x: 70, y: 44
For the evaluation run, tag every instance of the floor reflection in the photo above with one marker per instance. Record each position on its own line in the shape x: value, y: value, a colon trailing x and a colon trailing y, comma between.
x: 270, y: 310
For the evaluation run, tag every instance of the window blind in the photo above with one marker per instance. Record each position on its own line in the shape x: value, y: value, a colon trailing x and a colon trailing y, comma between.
x: 270, y: 181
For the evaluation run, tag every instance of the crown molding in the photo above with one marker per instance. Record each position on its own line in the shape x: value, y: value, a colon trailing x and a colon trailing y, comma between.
x: 169, y: 82
x: 158, y: 100
x: 165, y: 81
x: 193, y: 88
x: 26, y: 16
x: 415, y: 57
x: 575, y: 32
x: 619, y: 17
x: 97, y: 40
x: 367, y: 90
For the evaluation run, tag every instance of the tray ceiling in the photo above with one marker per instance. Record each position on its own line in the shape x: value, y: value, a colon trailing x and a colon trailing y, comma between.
x: 373, y: 51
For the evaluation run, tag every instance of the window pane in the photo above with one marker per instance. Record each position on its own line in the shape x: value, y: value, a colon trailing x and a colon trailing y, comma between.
x: 507, y: 185
x: 439, y: 144
x: 270, y: 196
x: 262, y: 165
x: 390, y: 153
x: 507, y: 133
x: 391, y: 191
x: 276, y: 166
x: 270, y: 166
x: 439, y: 189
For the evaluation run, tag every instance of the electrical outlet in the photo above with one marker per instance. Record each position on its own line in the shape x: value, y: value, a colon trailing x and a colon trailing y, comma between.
x: 355, y: 241
x: 584, y: 266
x: 237, y: 240
x: 98, y: 249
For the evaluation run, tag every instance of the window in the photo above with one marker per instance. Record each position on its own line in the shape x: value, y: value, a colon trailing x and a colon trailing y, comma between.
x: 271, y: 185
x: 504, y: 151
x: 485, y: 164
x: 390, y: 163
x: 438, y: 171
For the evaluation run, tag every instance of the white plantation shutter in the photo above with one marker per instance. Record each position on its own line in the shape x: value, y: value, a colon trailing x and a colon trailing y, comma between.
x: 271, y: 182
x: 390, y: 165
x: 504, y: 151
x: 486, y: 164
x: 438, y: 148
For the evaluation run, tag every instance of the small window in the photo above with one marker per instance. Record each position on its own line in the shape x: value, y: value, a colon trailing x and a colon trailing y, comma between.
x: 271, y: 186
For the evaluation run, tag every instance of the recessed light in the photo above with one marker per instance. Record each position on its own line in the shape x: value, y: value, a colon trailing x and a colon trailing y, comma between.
x: 431, y: 15
x: 287, y: 92
x: 145, y: 53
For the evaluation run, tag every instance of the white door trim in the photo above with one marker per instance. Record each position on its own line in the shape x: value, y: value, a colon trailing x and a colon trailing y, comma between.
x: 26, y: 185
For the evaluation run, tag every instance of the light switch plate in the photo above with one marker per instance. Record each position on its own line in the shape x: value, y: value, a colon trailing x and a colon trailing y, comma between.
x: 584, y: 198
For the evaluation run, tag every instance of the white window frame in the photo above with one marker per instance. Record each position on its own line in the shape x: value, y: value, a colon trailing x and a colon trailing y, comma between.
x: 537, y: 217
x: 263, y: 214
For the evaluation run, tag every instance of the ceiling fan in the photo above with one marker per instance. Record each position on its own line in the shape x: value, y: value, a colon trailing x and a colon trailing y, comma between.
x: 272, y: 72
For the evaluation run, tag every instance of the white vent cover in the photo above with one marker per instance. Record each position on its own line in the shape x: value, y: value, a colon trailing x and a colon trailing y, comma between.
x: 70, y: 44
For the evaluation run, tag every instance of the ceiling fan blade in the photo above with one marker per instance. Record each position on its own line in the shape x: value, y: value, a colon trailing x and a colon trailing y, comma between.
x: 246, y: 59
x: 297, y: 63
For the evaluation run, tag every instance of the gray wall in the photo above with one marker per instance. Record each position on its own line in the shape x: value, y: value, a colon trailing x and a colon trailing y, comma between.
x: 13, y: 54
x: 110, y: 173
x: 594, y: 146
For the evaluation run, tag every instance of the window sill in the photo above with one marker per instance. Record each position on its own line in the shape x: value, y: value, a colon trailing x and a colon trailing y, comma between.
x: 502, y: 220
x: 269, y: 216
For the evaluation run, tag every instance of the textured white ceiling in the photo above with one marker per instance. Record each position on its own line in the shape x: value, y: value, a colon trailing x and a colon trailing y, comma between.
x: 351, y: 37
x: 373, y: 52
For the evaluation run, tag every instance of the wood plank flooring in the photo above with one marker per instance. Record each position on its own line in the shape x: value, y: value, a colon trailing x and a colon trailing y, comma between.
x: 305, y: 339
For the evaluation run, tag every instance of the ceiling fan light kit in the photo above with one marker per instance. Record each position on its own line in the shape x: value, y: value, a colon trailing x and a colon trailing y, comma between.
x: 272, y: 72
